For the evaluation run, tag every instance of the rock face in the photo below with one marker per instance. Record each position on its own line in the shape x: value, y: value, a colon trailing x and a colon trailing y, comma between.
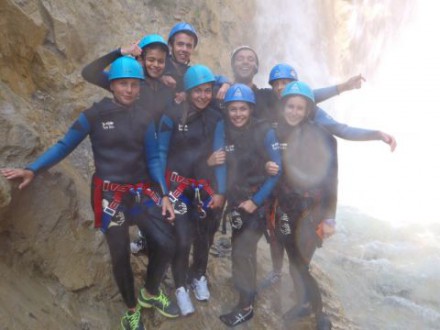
x: 54, y: 267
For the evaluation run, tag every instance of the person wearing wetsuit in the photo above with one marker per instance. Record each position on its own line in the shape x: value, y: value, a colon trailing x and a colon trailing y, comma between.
x: 128, y: 185
x: 279, y: 77
x: 246, y: 144
x: 306, y: 196
x: 151, y: 51
x: 186, y: 133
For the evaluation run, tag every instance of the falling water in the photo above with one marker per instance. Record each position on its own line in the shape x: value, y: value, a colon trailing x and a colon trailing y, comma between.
x: 385, y: 259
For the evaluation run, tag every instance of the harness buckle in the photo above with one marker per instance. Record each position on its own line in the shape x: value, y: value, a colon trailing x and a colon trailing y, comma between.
x: 172, y: 198
x: 202, y: 212
x: 111, y: 212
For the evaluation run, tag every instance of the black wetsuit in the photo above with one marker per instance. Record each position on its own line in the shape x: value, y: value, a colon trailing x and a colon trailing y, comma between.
x: 268, y: 108
x: 307, y: 194
x: 176, y: 71
x: 125, y: 152
x: 247, y: 150
x: 186, y: 141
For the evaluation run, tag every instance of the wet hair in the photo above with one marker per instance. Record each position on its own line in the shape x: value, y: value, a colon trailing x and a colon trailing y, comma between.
x: 310, y: 108
x: 171, y: 41
x: 152, y: 47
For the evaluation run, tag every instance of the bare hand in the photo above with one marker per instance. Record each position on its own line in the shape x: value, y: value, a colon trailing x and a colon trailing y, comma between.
x: 222, y: 91
x: 15, y: 173
x: 352, y: 83
x: 248, y: 206
x: 272, y: 168
x: 216, y: 201
x: 167, y: 208
x: 168, y: 81
x: 180, y: 97
x: 326, y: 228
x: 217, y: 158
x: 132, y: 49
x: 389, y: 139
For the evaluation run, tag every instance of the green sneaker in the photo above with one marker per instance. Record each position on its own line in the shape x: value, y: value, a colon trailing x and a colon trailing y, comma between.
x: 132, y: 320
x: 161, y: 302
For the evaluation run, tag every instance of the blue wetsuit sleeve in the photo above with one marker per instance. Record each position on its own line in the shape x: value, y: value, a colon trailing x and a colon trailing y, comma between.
x: 153, y: 159
x: 342, y: 130
x: 95, y: 73
x: 220, y: 170
x: 220, y: 80
x: 272, y: 148
x: 166, y: 125
x: 323, y: 94
x: 76, y: 133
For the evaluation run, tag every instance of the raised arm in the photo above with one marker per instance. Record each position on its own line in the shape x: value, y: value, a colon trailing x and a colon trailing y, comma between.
x: 95, y: 73
x: 351, y: 133
x: 326, y: 93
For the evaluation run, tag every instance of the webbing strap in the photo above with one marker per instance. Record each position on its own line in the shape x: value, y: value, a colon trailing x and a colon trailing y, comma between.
x: 119, y: 190
x: 184, y: 183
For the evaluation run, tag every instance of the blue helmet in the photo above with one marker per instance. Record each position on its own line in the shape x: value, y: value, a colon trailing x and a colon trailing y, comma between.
x: 298, y: 88
x: 240, y: 92
x: 153, y: 39
x: 126, y: 67
x: 282, y: 71
x: 197, y: 75
x: 183, y: 27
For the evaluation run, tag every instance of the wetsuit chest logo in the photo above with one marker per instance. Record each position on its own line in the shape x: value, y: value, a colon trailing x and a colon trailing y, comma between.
x: 183, y: 128
x: 276, y: 146
x: 283, y: 146
x: 230, y: 148
x: 106, y: 125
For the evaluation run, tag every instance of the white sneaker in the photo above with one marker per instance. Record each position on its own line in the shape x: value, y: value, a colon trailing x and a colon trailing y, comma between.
x: 200, y: 288
x: 184, y: 301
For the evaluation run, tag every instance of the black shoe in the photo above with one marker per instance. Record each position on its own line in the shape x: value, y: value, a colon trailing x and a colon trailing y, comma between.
x: 323, y: 322
x: 298, y: 312
x: 237, y: 316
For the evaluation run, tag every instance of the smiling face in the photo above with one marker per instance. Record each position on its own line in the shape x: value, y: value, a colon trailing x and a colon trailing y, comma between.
x: 244, y: 65
x: 154, y: 61
x: 296, y: 110
x: 126, y: 90
x: 182, y: 47
x: 200, y: 96
x: 278, y: 86
x: 239, y: 113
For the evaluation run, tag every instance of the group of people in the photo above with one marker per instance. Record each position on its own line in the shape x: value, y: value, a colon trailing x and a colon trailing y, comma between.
x: 177, y: 145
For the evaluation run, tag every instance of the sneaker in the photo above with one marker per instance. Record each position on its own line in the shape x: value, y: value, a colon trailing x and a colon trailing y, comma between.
x: 237, y: 316
x: 298, y: 312
x: 162, y: 303
x: 272, y: 278
x: 184, y: 301
x: 323, y: 322
x: 132, y: 320
x: 200, y: 288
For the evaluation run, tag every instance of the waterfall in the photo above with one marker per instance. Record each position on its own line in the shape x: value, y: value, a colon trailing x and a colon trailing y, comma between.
x: 385, y: 259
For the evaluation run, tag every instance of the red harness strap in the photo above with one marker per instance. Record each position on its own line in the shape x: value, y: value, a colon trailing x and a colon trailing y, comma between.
x: 119, y: 190
x: 184, y: 183
x: 271, y: 211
